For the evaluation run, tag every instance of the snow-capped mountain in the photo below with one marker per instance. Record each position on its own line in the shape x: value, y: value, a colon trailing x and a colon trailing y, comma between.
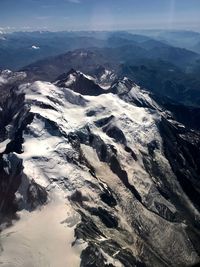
x: 94, y: 177
x: 104, y: 77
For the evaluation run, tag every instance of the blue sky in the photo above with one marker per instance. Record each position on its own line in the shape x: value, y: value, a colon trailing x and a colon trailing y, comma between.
x: 99, y: 14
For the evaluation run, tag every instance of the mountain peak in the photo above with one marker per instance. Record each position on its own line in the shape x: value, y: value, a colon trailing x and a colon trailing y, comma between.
x: 79, y: 82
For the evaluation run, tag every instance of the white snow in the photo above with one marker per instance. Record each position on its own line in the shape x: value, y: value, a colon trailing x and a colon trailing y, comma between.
x: 2, y: 80
x: 110, y: 260
x: 105, y: 75
x: 138, y: 125
x: 3, y: 145
x: 106, y: 79
x: 140, y: 95
x: 71, y: 80
x: 41, y: 237
x: 88, y: 76
x: 105, y: 87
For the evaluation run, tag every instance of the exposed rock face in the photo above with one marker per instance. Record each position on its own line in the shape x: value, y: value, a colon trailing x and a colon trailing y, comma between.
x: 15, y: 115
x: 187, y: 115
x: 129, y: 171
x: 79, y: 83
x: 10, y: 169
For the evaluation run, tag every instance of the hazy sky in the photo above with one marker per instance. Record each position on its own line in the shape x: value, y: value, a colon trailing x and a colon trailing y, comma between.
x: 99, y: 14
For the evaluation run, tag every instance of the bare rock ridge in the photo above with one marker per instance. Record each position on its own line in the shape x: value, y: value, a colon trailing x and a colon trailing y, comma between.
x: 79, y: 83
x: 125, y: 169
x: 15, y: 115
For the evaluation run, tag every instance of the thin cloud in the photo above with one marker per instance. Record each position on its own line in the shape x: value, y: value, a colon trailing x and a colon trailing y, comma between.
x: 74, y: 1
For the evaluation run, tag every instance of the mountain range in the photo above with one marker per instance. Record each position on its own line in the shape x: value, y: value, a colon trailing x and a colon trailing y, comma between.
x: 154, y: 69
x: 152, y: 59
x: 23, y: 48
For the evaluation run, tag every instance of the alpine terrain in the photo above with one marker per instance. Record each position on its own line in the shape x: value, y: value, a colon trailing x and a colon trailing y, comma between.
x: 94, y: 172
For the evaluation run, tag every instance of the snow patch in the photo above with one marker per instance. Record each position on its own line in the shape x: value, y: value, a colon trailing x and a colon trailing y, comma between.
x: 3, y: 145
x: 42, y: 238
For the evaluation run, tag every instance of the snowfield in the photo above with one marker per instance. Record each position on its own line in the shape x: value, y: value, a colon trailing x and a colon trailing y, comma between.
x: 43, y: 237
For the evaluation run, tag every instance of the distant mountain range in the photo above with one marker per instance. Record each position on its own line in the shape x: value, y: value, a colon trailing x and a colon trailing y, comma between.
x: 164, y: 70
x: 156, y: 60
x: 186, y: 39
x: 23, y: 48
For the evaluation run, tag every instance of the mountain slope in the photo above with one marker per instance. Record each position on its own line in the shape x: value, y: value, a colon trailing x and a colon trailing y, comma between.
x: 120, y: 174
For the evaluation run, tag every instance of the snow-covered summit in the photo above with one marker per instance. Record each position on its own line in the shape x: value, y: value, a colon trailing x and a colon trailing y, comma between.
x: 114, y: 188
